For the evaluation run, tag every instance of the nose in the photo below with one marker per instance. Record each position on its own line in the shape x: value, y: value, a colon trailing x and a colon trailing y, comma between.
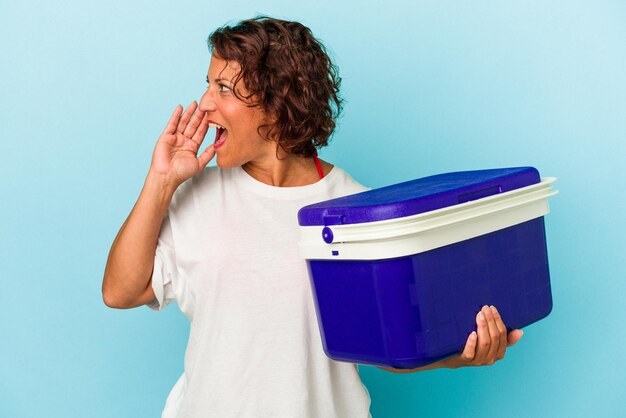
x: 207, y: 103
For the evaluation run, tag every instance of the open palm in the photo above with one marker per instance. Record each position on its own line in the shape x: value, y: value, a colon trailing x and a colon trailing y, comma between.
x: 176, y: 151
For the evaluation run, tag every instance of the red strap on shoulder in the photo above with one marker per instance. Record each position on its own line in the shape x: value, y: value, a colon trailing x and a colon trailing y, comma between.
x: 318, y: 165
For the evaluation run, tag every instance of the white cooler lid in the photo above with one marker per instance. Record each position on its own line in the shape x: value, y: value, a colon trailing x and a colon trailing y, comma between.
x: 407, y: 235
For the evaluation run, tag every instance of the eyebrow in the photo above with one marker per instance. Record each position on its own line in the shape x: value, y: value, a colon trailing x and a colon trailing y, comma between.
x: 217, y: 80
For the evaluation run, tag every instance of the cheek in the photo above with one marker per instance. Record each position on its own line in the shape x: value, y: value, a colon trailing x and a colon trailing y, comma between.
x: 244, y: 122
x: 231, y: 111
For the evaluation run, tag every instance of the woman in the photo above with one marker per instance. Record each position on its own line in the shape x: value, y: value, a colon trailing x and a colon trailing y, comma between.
x: 222, y: 241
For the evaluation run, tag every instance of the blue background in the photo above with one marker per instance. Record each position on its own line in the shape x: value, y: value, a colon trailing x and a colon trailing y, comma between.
x: 86, y: 87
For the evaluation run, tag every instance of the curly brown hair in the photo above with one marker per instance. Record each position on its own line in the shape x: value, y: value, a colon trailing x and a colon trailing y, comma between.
x: 289, y: 74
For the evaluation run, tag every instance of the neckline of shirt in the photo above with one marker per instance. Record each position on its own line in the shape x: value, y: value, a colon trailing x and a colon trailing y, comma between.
x: 295, y: 192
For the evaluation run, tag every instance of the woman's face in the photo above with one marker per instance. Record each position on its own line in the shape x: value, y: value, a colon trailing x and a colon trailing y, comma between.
x: 240, y: 142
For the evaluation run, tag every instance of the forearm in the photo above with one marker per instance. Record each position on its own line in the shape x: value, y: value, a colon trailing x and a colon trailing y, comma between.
x: 438, y: 365
x: 129, y: 265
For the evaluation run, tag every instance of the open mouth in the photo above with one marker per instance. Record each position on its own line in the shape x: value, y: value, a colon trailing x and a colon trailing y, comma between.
x: 221, y: 134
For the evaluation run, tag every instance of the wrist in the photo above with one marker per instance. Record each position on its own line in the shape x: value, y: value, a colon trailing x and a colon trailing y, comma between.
x: 449, y: 363
x: 160, y: 186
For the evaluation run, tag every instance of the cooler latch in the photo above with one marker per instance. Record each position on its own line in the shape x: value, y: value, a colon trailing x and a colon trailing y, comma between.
x: 327, y: 233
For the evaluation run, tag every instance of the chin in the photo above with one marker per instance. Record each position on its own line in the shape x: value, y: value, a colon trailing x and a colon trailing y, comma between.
x: 225, y: 163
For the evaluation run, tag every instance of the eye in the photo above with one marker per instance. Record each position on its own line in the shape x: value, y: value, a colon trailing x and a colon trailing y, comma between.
x: 221, y: 87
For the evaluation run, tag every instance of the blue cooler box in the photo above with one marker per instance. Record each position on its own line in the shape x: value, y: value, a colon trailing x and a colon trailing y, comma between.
x: 399, y: 273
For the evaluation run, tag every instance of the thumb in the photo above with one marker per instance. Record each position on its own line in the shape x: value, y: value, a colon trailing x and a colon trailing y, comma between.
x: 514, y: 336
x: 206, y: 156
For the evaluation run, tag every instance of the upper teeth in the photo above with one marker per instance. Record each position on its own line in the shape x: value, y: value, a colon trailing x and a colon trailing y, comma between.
x: 215, y: 125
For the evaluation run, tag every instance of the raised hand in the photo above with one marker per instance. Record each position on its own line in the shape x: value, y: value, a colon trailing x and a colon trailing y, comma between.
x: 175, y: 155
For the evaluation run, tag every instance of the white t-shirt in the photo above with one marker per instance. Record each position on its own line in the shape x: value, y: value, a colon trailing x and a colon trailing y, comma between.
x: 228, y: 255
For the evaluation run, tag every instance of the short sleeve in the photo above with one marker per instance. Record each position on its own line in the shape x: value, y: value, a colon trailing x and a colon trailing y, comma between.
x: 164, y: 271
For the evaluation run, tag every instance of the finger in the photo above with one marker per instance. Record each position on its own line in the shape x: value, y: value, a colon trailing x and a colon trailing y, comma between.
x: 206, y: 156
x: 469, y: 352
x: 501, y: 333
x: 494, y: 335
x: 184, y: 120
x: 514, y: 337
x: 483, y: 342
x: 170, y: 128
x: 195, y: 121
x: 200, y: 133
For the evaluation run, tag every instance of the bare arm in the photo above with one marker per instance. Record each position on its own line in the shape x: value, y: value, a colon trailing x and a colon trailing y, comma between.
x: 127, y: 276
x: 127, y: 281
x: 432, y: 366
